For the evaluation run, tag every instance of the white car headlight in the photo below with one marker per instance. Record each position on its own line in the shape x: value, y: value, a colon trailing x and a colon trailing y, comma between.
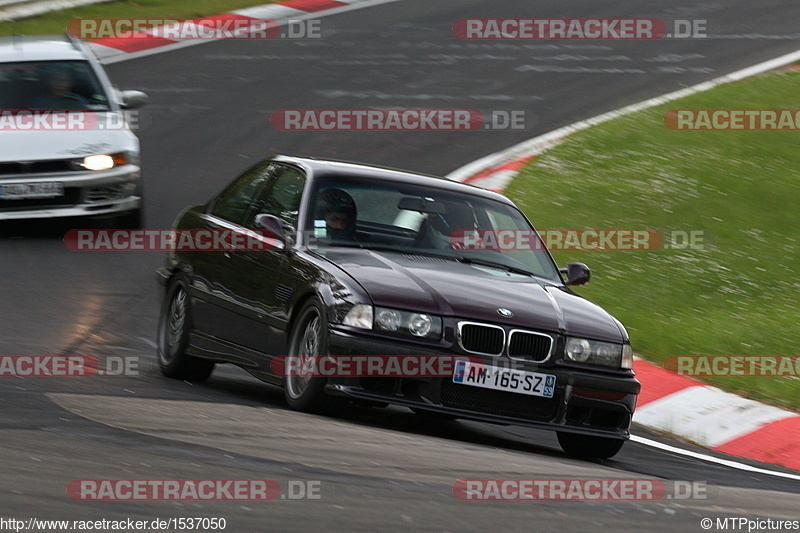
x: 105, y: 161
x: 98, y: 162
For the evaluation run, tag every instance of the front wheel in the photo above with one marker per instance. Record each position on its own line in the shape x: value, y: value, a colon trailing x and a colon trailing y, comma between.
x: 589, y: 446
x: 174, y: 325
x: 308, y: 341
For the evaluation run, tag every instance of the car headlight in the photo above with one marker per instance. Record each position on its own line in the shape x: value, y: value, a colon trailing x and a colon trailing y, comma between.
x: 102, y: 161
x: 421, y: 325
x: 359, y: 316
x: 98, y: 162
x: 599, y: 353
x: 627, y: 356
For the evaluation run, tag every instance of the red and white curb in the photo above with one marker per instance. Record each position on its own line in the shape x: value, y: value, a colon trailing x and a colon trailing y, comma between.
x: 122, y: 48
x: 668, y: 402
x: 716, y: 419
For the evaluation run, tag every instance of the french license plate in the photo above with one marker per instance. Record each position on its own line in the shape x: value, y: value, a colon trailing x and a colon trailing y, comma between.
x: 23, y: 191
x: 498, y: 378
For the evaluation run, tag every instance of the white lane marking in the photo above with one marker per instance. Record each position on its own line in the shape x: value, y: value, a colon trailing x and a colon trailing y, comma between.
x: 703, y: 457
x: 149, y: 342
x: 707, y: 415
x: 541, y: 143
x: 302, y: 15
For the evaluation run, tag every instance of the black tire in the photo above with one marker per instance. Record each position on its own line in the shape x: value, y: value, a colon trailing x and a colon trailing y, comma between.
x: 309, y: 340
x: 174, y: 325
x: 589, y: 446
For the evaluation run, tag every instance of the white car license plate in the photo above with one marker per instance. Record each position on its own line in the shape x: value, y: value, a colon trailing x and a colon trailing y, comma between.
x: 498, y: 378
x: 22, y: 191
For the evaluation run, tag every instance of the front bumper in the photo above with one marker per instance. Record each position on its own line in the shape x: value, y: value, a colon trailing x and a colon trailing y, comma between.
x: 110, y: 192
x: 584, y: 401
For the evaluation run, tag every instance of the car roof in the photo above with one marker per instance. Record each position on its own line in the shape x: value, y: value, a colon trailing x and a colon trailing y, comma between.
x: 39, y: 48
x: 317, y: 167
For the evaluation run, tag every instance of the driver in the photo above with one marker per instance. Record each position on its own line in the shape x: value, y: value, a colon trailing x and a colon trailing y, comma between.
x: 59, y: 85
x: 339, y: 211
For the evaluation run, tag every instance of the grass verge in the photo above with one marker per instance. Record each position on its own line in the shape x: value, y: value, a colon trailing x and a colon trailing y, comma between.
x: 739, y: 295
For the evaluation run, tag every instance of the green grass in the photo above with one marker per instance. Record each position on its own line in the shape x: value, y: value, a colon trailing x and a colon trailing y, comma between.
x: 55, y: 23
x: 739, y: 296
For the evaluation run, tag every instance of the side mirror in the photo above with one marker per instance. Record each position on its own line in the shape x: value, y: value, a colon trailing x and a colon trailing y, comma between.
x: 577, y: 274
x: 274, y: 225
x: 133, y: 99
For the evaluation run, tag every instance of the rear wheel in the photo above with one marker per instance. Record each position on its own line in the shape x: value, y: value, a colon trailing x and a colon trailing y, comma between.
x: 174, y: 325
x: 308, y: 341
x: 589, y: 446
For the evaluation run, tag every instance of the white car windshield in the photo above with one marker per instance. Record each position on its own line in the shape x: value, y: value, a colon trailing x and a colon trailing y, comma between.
x: 51, y: 85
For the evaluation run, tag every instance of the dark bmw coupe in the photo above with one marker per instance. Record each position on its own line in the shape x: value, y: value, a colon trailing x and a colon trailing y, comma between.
x: 347, y: 260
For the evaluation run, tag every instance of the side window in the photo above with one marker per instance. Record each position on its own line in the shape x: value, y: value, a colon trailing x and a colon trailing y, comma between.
x: 232, y: 204
x: 281, y: 197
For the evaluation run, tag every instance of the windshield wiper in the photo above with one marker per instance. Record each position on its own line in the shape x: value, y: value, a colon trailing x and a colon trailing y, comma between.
x: 493, y: 264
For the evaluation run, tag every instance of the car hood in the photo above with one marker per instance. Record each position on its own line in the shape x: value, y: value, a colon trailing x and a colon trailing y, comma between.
x: 45, y: 145
x: 449, y: 288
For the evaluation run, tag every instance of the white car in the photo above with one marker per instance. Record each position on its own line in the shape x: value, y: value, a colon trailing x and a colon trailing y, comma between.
x: 66, y: 146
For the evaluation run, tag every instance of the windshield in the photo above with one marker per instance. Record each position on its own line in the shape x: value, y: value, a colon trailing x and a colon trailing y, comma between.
x: 386, y: 215
x: 51, y: 85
